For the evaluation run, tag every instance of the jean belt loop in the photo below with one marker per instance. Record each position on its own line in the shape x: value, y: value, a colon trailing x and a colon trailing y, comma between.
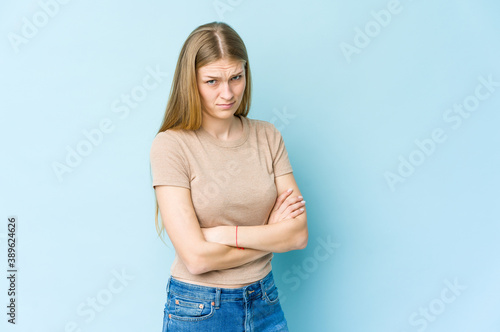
x: 262, y: 288
x: 217, y: 298
x: 270, y: 276
x: 168, y: 284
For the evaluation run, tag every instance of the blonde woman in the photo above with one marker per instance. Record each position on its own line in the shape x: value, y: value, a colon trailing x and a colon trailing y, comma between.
x: 225, y: 191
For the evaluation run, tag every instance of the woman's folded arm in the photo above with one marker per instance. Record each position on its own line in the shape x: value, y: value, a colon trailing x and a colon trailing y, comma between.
x: 285, y: 235
x: 182, y: 226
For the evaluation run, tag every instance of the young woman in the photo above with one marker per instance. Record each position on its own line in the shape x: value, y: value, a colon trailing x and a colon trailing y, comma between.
x: 225, y: 191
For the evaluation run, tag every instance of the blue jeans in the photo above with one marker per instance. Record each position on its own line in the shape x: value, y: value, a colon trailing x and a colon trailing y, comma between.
x: 255, y: 307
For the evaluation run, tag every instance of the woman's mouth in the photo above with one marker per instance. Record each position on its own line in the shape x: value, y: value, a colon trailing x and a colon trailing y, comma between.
x: 225, y: 106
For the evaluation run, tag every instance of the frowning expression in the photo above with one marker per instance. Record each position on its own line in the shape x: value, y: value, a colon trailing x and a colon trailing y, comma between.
x: 221, y: 85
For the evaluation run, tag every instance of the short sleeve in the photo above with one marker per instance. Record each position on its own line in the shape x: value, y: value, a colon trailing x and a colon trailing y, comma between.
x: 281, y: 163
x: 168, y: 166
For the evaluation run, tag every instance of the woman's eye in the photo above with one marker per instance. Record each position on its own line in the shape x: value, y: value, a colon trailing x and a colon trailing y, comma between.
x: 237, y: 77
x: 211, y: 82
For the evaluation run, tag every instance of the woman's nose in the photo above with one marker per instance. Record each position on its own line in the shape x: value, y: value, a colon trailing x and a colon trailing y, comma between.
x: 227, y: 92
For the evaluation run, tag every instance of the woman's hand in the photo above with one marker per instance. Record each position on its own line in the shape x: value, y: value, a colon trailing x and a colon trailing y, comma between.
x: 286, y: 208
x: 283, y: 209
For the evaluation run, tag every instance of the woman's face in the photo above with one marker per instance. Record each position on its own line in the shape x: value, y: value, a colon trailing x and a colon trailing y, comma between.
x: 221, y: 85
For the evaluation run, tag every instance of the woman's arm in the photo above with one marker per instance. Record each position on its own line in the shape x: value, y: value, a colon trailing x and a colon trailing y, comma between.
x: 182, y: 226
x: 288, y: 234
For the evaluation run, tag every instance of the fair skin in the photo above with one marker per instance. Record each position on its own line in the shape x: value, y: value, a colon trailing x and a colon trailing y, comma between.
x: 220, y: 83
x: 207, y: 249
x: 279, y: 234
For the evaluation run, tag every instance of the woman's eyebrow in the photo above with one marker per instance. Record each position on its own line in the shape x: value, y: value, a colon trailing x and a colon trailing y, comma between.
x: 209, y: 76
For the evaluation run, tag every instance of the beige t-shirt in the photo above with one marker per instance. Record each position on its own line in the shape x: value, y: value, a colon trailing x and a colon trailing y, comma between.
x: 231, y: 183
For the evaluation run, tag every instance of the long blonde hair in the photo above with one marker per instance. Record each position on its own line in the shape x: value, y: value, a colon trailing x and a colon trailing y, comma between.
x: 207, y: 43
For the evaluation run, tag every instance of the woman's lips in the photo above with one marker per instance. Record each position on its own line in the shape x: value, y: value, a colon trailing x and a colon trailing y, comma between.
x: 225, y: 106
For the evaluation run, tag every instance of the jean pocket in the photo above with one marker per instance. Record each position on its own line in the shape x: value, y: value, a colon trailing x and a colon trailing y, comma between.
x: 271, y: 295
x: 185, y: 309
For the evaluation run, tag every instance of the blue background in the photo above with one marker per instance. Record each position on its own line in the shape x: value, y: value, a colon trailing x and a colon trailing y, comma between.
x: 419, y: 253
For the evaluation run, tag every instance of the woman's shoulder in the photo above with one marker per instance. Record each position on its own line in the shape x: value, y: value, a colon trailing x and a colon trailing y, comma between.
x: 174, y: 134
x: 262, y: 125
x: 169, y: 139
x: 164, y: 136
x: 266, y: 128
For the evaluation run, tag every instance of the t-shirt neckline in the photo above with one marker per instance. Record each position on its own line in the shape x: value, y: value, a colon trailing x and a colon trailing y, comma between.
x: 228, y: 144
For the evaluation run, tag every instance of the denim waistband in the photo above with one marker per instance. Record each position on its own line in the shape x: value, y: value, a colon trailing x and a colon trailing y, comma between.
x: 219, y: 294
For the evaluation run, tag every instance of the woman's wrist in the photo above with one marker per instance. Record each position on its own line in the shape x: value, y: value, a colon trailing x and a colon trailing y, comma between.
x: 227, y: 235
x: 221, y: 235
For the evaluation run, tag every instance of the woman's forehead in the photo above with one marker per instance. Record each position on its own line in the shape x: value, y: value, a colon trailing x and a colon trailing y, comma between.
x: 222, y: 66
